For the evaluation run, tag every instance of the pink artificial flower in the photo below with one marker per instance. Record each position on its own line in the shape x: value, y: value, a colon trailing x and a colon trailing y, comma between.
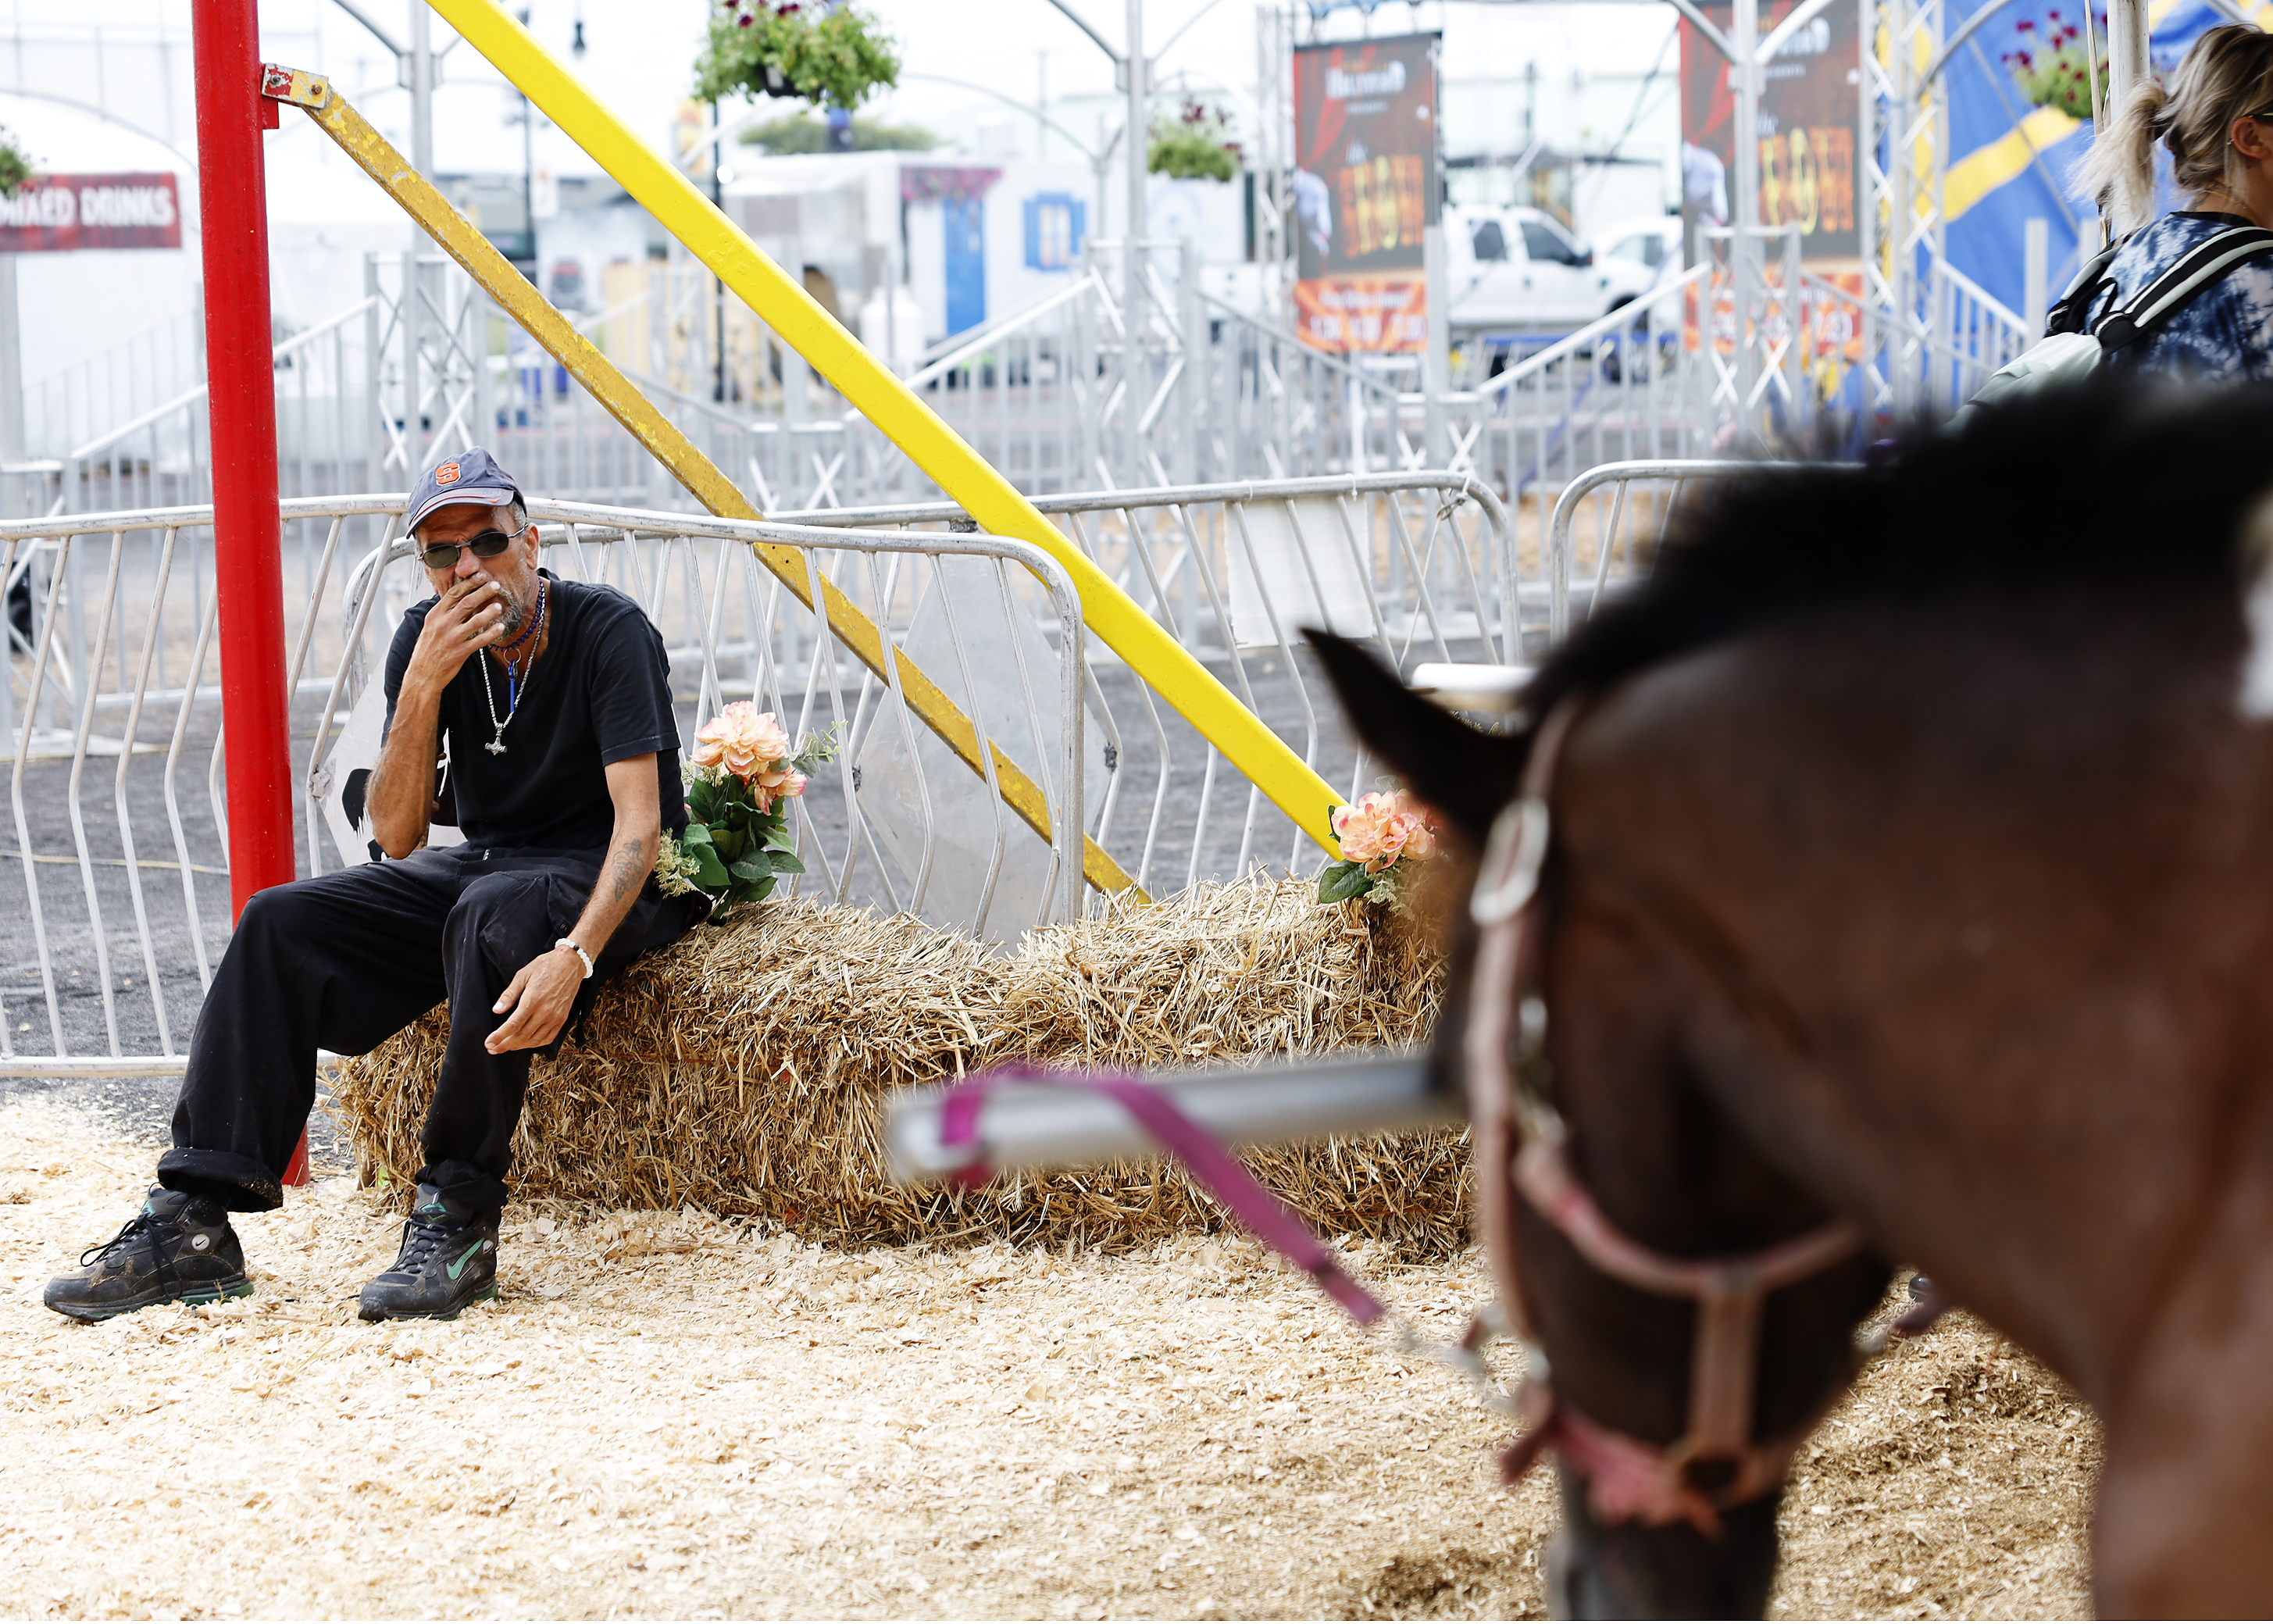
x: 1382, y: 828
x: 782, y: 782
x: 744, y: 740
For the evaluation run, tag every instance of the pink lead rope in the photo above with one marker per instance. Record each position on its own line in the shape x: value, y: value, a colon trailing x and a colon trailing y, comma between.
x: 1219, y: 1172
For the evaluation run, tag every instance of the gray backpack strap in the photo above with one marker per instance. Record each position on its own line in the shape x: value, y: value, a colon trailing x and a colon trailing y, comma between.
x: 2163, y: 297
x: 2072, y: 312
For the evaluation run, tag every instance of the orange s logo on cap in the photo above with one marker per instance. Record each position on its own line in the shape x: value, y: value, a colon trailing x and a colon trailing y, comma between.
x: 447, y: 474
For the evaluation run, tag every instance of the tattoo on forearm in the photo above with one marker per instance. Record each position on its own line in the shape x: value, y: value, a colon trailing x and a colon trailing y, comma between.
x: 629, y: 870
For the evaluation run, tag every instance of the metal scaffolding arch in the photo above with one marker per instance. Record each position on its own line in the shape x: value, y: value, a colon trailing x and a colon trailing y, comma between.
x: 1904, y: 129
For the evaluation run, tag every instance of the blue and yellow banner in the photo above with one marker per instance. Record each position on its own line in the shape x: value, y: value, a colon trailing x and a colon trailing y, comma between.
x: 2011, y: 162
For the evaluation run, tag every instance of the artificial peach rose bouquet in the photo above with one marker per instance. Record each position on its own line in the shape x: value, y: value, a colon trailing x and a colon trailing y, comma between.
x: 740, y: 778
x: 1383, y: 838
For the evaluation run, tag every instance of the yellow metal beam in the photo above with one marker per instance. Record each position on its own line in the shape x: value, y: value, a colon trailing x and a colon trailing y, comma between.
x: 607, y: 385
x: 987, y: 497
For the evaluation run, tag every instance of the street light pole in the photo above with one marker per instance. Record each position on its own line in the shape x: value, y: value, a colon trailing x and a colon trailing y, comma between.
x: 1132, y: 310
x: 1138, y: 145
x: 418, y: 57
x: 1743, y: 242
x: 2126, y: 51
x: 422, y: 90
x: 1134, y: 77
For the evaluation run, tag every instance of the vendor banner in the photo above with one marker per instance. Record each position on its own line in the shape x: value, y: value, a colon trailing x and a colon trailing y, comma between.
x: 1366, y: 187
x: 1810, y: 168
x: 1375, y: 314
x: 1810, y: 164
x: 52, y: 213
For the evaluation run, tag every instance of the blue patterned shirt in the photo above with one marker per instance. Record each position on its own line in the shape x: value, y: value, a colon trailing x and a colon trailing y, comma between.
x: 2224, y: 334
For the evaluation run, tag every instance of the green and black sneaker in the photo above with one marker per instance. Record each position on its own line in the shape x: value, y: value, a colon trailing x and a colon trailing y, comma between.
x: 448, y: 1260
x: 178, y: 1249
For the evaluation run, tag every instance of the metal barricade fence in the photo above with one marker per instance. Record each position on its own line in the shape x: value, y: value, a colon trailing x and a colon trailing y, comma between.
x: 329, y: 437
x: 1070, y: 393
x: 111, y: 707
x: 1628, y: 510
x: 1419, y: 565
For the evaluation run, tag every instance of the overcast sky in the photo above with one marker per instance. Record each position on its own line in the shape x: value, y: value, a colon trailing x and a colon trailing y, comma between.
x: 639, y: 53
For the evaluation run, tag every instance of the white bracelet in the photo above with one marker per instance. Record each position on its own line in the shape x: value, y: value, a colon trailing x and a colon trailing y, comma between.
x: 570, y: 944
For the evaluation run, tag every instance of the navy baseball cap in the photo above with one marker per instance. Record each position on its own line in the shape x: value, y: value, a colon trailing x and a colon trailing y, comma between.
x: 472, y: 475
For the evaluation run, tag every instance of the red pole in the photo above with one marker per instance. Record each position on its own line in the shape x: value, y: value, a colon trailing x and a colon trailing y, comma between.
x: 248, y: 535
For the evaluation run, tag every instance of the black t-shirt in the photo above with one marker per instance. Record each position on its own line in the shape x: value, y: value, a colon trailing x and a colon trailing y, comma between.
x: 601, y: 695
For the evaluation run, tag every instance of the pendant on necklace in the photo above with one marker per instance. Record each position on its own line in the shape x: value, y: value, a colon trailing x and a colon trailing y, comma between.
x: 495, y: 747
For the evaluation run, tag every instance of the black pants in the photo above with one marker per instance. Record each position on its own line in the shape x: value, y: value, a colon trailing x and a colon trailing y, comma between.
x: 345, y: 961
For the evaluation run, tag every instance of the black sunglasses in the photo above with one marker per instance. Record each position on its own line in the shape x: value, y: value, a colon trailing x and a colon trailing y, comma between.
x: 488, y: 545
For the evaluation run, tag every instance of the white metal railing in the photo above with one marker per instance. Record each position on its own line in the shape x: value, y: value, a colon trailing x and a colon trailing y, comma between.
x: 119, y: 383
x: 163, y: 454
x: 1975, y: 336
x: 1070, y: 393
x: 1633, y: 504
x: 114, y: 723
x: 1420, y: 565
x: 1624, y: 386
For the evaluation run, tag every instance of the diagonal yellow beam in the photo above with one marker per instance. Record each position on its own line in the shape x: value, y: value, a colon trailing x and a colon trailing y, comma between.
x: 378, y: 159
x: 885, y: 401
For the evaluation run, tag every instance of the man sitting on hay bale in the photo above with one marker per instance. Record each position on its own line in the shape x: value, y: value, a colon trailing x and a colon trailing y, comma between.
x: 552, y: 700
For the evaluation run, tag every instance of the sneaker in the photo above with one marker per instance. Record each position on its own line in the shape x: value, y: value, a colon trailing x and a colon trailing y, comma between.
x: 178, y: 1249
x: 448, y: 1260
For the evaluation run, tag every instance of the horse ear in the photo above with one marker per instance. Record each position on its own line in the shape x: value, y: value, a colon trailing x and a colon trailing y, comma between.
x: 1467, y: 775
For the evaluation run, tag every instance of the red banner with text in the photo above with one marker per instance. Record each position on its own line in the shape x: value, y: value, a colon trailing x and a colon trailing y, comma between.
x: 52, y: 214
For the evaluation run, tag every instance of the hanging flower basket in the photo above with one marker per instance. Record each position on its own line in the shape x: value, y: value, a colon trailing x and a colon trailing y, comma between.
x: 16, y: 169
x: 831, y: 55
x: 2050, y: 64
x: 1195, y: 145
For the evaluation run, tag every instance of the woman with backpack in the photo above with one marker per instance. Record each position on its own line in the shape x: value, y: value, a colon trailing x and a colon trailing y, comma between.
x: 2190, y: 293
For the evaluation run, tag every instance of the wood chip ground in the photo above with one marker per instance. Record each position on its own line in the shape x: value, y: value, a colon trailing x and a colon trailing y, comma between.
x: 668, y: 1414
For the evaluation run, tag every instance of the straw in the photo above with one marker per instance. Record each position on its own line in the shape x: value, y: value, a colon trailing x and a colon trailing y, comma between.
x: 744, y: 1070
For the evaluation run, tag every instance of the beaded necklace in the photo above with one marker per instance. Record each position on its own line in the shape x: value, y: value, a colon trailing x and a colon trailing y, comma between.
x: 512, y: 667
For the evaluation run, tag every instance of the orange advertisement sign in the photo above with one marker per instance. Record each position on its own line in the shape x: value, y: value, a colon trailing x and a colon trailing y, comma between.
x: 1384, y: 200
x: 1380, y: 315
x: 1830, y: 318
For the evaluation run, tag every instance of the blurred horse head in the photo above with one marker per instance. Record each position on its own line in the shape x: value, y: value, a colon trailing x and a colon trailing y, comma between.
x: 1890, y: 876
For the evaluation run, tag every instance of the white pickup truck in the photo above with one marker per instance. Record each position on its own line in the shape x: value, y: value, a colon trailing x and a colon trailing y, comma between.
x: 1516, y: 271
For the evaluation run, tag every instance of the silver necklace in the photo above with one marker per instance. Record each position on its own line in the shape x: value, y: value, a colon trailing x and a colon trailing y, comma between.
x: 514, y: 688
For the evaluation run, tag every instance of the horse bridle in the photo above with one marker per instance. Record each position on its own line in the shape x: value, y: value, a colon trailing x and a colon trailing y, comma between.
x: 1522, y: 1148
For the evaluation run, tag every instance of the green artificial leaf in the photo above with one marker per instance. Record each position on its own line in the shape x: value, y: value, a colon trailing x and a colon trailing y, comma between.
x: 784, y: 861
x: 780, y: 839
x: 732, y: 843
x: 753, y: 868
x: 1340, y: 881
x: 709, y: 874
x: 697, y: 834
x: 817, y: 748
x: 702, y: 799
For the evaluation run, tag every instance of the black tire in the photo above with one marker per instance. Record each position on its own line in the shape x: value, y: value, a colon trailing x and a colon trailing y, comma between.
x: 1613, y: 361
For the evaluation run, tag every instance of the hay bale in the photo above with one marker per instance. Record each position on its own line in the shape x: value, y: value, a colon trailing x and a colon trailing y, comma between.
x: 743, y: 1070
